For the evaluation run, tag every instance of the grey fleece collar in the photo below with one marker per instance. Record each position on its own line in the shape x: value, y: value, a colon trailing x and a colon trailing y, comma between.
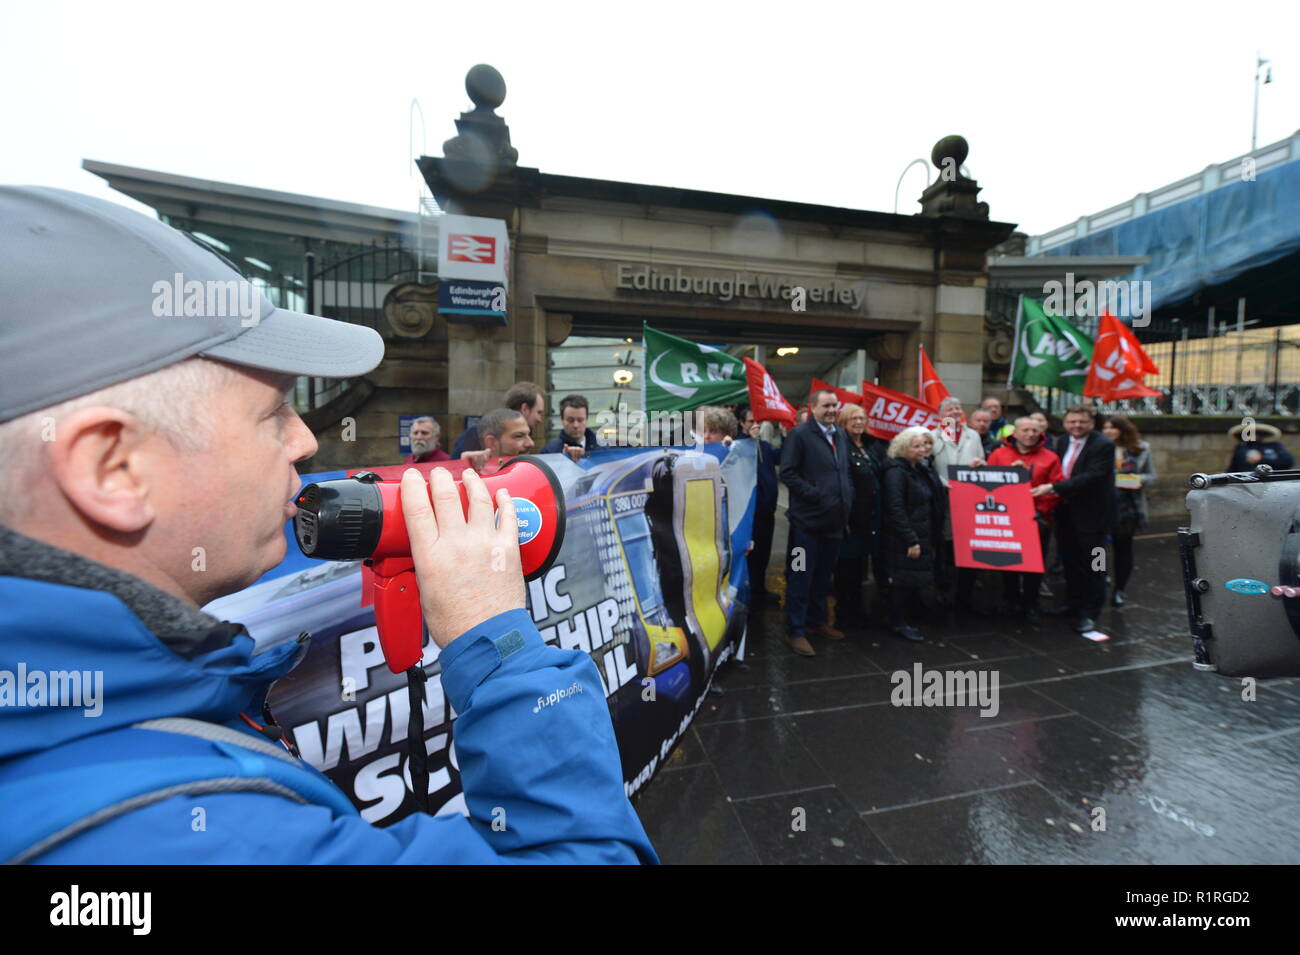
x: 180, y: 626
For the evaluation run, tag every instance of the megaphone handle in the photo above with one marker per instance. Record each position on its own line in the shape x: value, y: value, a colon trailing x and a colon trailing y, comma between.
x: 398, y: 616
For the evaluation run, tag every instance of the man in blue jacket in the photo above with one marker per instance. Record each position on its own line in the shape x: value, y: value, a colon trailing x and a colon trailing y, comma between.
x: 576, y: 439
x: 815, y: 468
x: 149, y: 452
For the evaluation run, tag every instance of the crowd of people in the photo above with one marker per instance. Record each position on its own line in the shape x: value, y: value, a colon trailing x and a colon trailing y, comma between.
x: 861, y: 507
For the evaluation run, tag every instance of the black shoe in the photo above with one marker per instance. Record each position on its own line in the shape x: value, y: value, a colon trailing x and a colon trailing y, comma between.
x: 1059, y: 611
x: 909, y: 633
x: 969, y: 609
x: 1085, y: 624
x: 1118, y: 599
x: 1032, y: 615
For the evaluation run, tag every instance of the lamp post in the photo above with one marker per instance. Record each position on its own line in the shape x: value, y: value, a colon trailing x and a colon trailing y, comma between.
x: 1260, y: 63
x: 925, y: 165
x: 1173, y: 364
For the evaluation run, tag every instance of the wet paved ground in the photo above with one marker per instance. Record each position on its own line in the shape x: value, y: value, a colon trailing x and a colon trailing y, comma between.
x: 1186, y: 771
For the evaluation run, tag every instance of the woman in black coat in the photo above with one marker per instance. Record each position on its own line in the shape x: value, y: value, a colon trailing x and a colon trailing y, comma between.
x: 914, y: 504
x: 860, y: 544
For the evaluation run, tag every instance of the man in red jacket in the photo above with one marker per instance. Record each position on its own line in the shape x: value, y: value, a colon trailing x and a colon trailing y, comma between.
x: 1025, y: 447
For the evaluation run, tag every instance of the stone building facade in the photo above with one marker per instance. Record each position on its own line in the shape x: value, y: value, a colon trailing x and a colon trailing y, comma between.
x: 593, y: 256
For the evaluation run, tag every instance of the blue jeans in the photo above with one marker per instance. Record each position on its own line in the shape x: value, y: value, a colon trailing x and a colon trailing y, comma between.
x: 806, y: 589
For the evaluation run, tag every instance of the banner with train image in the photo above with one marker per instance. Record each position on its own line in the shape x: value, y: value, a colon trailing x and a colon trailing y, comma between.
x: 649, y: 581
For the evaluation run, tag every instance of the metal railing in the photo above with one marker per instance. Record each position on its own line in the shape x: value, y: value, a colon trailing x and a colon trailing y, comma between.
x: 1254, y: 371
x: 351, y: 288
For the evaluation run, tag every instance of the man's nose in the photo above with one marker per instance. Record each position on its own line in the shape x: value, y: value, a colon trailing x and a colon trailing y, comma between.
x: 302, y: 444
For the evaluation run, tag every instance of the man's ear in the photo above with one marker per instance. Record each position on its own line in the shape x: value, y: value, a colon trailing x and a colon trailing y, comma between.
x: 96, y: 460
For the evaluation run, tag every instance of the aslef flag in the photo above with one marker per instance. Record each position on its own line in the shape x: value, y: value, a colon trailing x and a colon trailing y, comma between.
x: 932, y: 389
x: 765, y: 399
x: 842, y: 396
x: 889, y: 411
x: 1118, y: 364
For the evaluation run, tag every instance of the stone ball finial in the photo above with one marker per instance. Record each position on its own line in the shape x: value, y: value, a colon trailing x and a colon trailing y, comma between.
x: 950, y: 147
x: 485, y: 86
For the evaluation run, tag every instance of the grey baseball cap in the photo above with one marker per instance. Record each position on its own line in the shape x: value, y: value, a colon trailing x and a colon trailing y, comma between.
x: 93, y: 293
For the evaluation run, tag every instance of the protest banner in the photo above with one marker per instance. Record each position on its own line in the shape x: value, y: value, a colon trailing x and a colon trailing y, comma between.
x: 993, y: 525
x: 889, y: 411
x: 646, y: 582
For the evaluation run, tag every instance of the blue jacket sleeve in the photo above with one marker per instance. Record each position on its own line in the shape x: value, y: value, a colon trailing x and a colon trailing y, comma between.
x: 538, y: 760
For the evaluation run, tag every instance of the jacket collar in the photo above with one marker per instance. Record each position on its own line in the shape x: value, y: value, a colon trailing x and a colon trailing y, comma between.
x: 588, y: 440
x: 1088, y: 439
x: 814, y: 427
x: 124, y: 674
x: 179, y: 625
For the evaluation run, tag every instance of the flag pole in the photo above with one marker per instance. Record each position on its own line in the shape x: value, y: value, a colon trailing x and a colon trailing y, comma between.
x: 1015, y: 338
x: 645, y: 375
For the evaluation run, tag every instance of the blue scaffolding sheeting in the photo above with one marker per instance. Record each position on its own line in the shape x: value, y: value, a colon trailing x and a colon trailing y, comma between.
x: 1207, y: 240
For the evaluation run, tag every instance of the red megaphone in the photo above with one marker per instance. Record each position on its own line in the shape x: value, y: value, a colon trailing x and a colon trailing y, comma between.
x: 360, y: 518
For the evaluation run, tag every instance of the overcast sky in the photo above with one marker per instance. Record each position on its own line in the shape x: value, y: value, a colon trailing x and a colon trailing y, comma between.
x: 1068, y: 108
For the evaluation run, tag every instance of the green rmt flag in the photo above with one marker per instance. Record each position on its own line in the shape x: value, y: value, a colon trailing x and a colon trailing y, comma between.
x: 1049, y: 350
x: 680, y: 375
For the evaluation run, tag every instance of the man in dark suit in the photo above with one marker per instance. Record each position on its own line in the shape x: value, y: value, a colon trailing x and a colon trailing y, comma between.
x: 815, y: 467
x: 1085, y: 515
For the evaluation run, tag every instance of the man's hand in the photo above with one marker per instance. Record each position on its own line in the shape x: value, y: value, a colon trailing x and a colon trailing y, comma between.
x: 575, y: 451
x: 1040, y: 490
x: 977, y: 462
x: 468, y: 570
x: 914, y: 552
x: 475, y: 459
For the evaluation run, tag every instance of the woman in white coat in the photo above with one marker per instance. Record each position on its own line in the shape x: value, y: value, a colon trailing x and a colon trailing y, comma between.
x: 955, y: 443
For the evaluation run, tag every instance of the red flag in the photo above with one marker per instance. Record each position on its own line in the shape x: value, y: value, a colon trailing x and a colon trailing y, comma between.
x: 932, y: 389
x: 1118, y: 364
x: 765, y: 398
x: 842, y: 396
x: 889, y: 411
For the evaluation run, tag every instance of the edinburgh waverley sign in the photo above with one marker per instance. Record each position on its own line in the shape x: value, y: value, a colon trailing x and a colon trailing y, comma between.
x: 729, y: 286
